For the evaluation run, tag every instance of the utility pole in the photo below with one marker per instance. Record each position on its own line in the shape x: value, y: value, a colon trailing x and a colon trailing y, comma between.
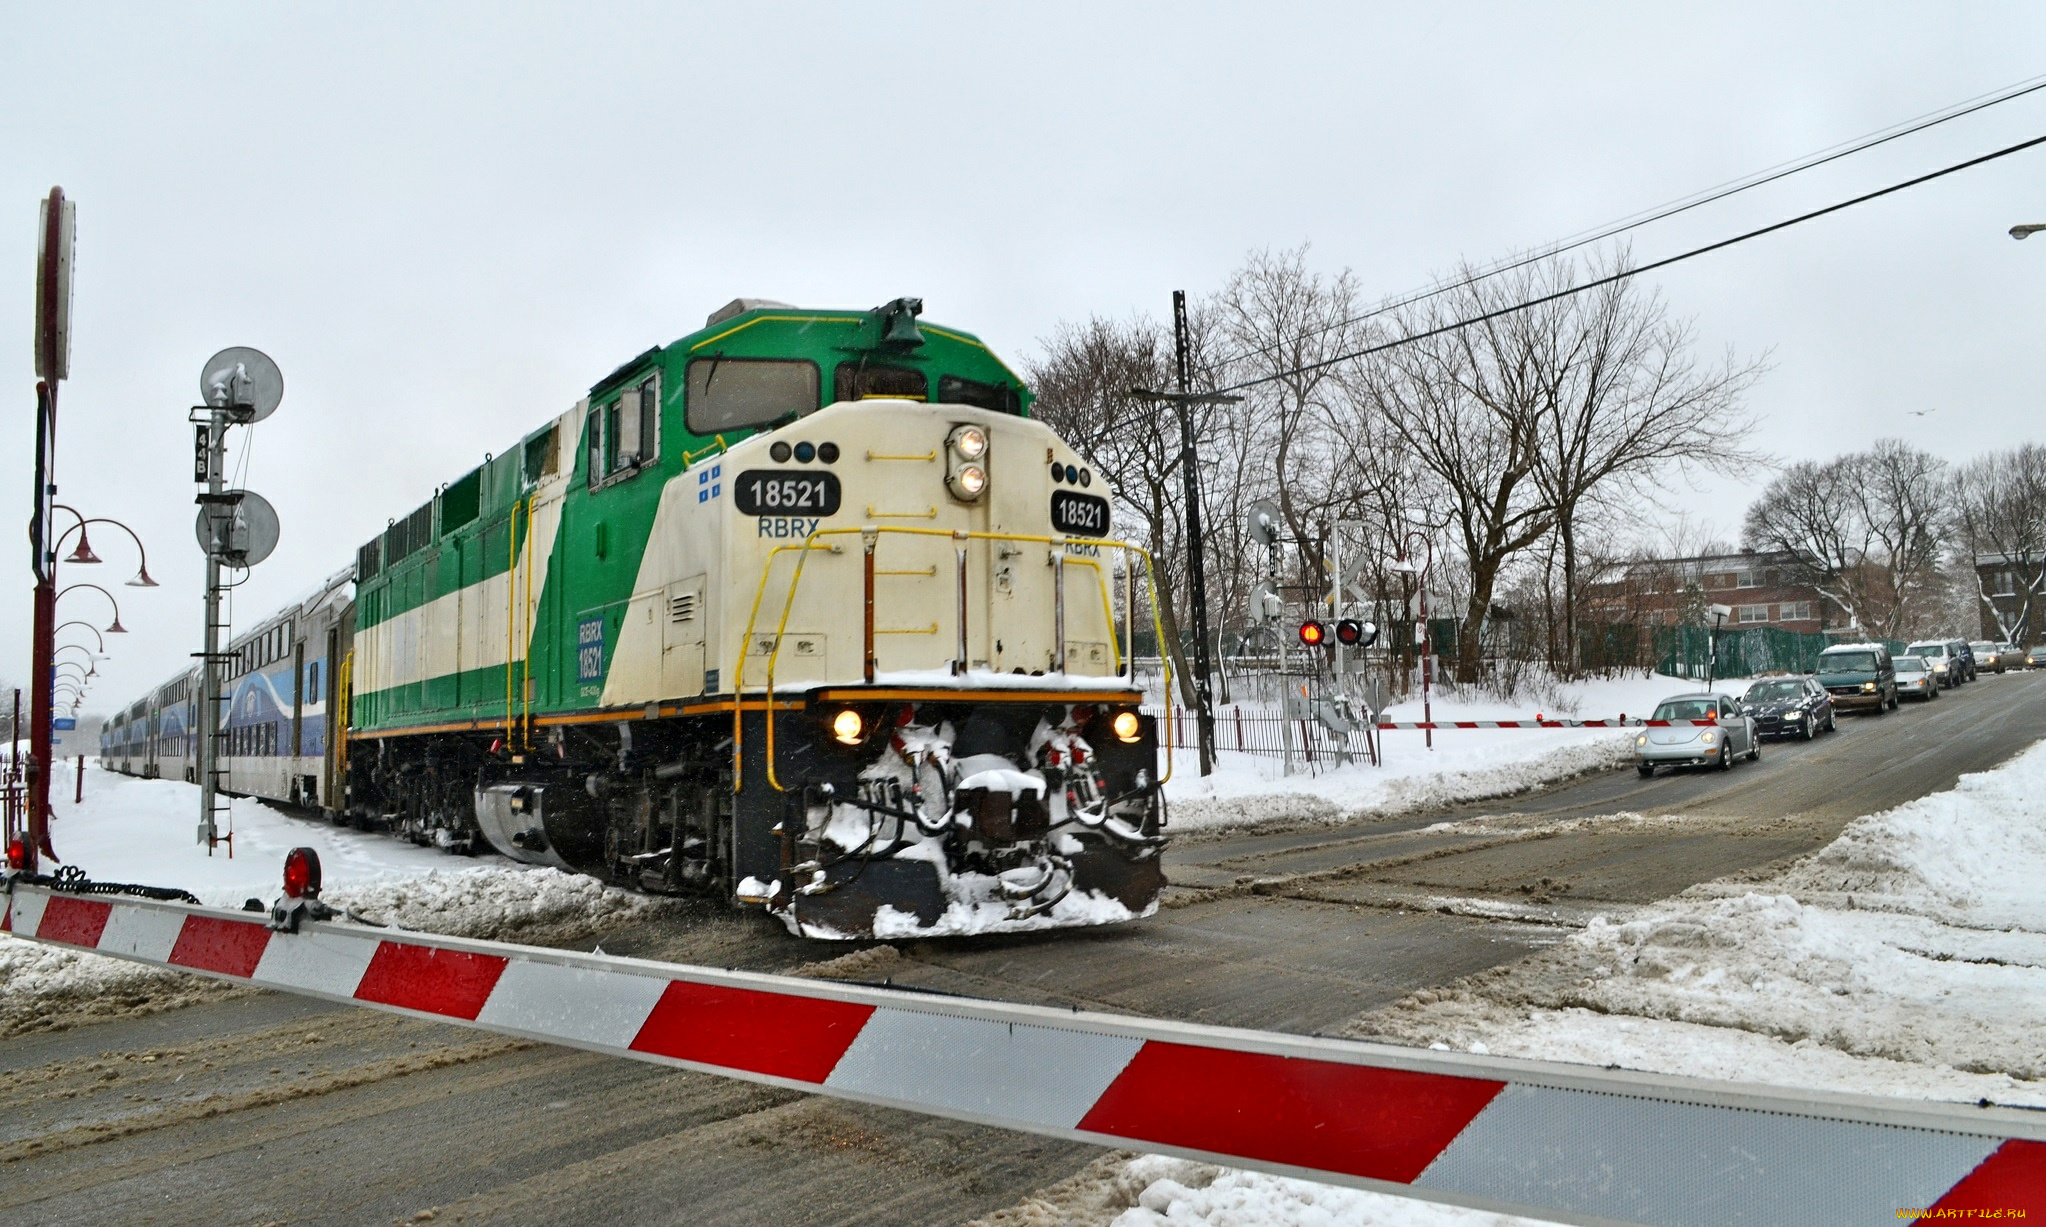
x: 1197, y: 571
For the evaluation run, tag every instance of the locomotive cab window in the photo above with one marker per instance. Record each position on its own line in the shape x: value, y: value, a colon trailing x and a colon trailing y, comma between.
x: 859, y: 381
x: 731, y: 393
x: 1001, y: 398
x: 625, y: 434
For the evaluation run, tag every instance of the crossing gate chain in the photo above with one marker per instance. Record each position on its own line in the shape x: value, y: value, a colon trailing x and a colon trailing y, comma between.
x: 1558, y: 1141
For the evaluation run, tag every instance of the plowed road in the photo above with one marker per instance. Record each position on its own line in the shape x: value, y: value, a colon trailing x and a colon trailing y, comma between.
x: 261, y: 1108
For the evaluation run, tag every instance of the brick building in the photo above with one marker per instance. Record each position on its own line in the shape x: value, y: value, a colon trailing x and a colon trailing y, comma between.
x: 1762, y: 589
x: 2012, y: 583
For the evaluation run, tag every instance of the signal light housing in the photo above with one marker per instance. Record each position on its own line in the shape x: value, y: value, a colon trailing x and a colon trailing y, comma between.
x: 302, y: 874
x: 1354, y: 634
x: 1313, y: 634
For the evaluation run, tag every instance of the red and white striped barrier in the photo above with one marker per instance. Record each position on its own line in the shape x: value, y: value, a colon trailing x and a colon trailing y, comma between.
x: 1561, y: 1142
x: 1621, y: 723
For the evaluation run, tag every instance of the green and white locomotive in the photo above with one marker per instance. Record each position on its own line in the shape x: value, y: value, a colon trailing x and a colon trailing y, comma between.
x: 802, y: 610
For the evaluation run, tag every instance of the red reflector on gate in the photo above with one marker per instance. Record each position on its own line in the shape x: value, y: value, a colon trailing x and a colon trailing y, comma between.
x: 800, y: 1038
x: 301, y: 873
x: 1382, y: 1124
x: 75, y: 922
x: 427, y: 978
x: 231, y: 947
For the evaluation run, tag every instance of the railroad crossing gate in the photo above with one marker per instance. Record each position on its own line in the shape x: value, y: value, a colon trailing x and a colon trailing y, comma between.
x: 1570, y: 1143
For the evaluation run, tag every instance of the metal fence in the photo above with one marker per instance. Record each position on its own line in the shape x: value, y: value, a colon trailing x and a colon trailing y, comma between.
x: 1263, y: 733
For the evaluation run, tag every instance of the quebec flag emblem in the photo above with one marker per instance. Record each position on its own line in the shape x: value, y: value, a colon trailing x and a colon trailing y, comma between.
x: 708, y: 485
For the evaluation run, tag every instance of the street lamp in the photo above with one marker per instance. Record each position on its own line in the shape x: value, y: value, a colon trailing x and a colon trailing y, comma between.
x: 116, y: 628
x: 91, y: 668
x: 88, y: 626
x: 84, y: 555
x: 2027, y: 230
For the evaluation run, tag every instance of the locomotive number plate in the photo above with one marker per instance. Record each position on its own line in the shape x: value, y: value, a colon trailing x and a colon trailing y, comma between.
x: 782, y: 492
x: 1082, y: 514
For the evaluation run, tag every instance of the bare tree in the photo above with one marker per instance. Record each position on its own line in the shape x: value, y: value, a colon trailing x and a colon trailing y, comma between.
x: 1865, y: 530
x: 1464, y: 406
x: 1621, y: 397
x: 1083, y: 384
x: 1999, y: 519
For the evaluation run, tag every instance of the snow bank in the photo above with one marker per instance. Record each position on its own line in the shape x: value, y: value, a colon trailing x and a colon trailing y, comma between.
x: 142, y: 831
x: 1464, y: 765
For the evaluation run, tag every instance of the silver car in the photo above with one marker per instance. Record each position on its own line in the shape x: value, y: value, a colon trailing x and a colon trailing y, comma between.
x: 1730, y: 734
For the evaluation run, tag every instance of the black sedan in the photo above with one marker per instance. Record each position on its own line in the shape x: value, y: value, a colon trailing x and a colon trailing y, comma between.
x: 1789, y: 707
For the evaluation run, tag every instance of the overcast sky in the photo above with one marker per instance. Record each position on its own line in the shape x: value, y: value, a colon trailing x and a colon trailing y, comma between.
x: 446, y: 221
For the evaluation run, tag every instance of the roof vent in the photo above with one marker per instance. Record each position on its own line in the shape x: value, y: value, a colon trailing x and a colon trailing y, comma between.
x: 740, y: 306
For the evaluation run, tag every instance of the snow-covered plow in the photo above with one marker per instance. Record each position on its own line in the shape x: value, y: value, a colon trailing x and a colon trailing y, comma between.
x: 1569, y: 1143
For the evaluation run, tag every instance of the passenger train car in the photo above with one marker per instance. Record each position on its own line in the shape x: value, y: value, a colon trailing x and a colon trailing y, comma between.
x: 802, y: 610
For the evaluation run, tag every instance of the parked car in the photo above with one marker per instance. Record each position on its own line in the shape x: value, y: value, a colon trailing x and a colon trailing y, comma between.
x: 1938, y: 654
x: 1967, y: 654
x: 1995, y: 656
x: 1858, y: 676
x: 1686, y: 744
x: 2036, y: 658
x: 1915, y: 678
x: 1789, y: 707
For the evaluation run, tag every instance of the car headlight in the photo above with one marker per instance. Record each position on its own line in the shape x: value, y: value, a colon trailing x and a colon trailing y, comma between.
x: 1708, y: 737
x: 1641, y: 739
x: 1793, y: 715
x: 1868, y: 686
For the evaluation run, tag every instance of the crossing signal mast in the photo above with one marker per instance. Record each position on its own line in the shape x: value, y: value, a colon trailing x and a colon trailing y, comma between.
x: 236, y: 529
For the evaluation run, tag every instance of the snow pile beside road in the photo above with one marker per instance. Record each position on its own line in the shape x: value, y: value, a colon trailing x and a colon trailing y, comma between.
x: 1464, y: 765
x: 1908, y: 957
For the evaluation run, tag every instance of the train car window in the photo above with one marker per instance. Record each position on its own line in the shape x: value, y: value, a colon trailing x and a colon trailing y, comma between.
x: 729, y: 393
x: 1001, y: 398
x: 858, y: 381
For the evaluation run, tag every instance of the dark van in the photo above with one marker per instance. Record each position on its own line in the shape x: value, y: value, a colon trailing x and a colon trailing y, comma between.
x: 1859, y: 676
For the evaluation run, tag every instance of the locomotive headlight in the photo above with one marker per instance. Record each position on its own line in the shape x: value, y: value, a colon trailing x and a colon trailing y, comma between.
x: 847, y: 726
x: 966, y: 461
x: 970, y: 442
x: 1126, y: 726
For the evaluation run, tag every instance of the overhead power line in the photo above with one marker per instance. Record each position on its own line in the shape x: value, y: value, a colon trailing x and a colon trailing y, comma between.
x: 1635, y: 272
x: 1685, y: 204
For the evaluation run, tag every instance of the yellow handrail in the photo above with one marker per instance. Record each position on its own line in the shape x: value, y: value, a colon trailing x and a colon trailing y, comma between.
x: 526, y: 660
x: 511, y: 620
x: 718, y: 444
x: 795, y: 581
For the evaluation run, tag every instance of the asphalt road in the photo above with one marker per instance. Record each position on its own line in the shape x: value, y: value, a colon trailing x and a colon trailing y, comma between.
x: 270, y: 1109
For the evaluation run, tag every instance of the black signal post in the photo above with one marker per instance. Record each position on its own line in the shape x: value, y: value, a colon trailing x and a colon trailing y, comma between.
x: 1197, y: 571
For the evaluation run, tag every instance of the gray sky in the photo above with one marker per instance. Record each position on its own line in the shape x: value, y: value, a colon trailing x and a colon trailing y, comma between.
x: 446, y: 221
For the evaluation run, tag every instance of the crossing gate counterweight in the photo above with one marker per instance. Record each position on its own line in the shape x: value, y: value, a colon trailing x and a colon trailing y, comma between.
x: 1571, y: 1143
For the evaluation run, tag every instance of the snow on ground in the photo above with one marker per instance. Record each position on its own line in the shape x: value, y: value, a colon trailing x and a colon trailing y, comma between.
x: 143, y: 831
x: 1464, y: 765
x: 1907, y: 958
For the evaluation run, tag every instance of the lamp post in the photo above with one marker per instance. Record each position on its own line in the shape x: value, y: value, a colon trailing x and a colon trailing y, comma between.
x: 88, y: 626
x: 84, y: 556
x: 116, y: 628
x: 52, y: 366
x: 2027, y: 230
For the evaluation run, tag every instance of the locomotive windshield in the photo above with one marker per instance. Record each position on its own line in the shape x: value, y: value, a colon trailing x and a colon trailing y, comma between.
x: 731, y: 393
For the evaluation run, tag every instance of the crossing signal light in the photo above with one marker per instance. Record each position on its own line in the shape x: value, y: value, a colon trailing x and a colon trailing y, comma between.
x: 1354, y: 634
x: 1313, y: 634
